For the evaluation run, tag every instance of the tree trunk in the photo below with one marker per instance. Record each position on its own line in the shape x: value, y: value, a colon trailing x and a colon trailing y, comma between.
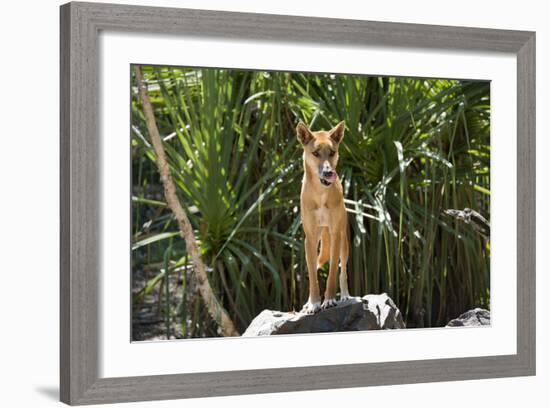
x: 215, y: 309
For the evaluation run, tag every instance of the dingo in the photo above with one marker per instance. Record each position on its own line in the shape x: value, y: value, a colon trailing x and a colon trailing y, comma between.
x: 323, y: 214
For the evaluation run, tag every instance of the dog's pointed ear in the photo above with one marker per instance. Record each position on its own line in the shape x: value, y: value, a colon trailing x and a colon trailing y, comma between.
x: 303, y: 134
x: 337, y: 132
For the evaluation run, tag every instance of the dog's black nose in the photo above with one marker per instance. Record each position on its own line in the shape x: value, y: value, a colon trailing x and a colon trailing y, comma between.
x: 327, y: 173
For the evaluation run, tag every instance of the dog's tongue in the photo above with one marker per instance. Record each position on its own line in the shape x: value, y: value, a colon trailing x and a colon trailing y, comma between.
x: 332, y: 177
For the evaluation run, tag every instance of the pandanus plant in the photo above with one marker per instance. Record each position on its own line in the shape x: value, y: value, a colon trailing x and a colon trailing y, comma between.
x: 414, y: 148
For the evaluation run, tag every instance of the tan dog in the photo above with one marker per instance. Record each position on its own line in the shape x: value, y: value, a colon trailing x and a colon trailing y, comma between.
x: 323, y: 214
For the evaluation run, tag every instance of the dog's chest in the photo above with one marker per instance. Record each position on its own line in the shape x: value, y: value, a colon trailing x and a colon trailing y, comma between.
x: 322, y: 216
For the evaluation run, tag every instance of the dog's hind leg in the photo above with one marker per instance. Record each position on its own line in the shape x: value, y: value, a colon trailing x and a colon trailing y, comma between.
x: 324, y: 252
x: 344, y: 253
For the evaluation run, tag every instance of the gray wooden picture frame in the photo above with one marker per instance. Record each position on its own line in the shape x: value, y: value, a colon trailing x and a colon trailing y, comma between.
x: 80, y: 233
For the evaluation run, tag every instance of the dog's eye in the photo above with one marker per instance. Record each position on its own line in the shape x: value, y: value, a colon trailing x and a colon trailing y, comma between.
x: 316, y: 154
x: 331, y: 154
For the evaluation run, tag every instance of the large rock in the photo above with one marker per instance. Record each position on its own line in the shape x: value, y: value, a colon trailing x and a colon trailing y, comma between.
x: 371, y: 312
x: 474, y: 317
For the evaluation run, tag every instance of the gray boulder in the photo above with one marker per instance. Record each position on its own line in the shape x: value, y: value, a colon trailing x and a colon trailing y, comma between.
x: 371, y: 312
x: 474, y: 317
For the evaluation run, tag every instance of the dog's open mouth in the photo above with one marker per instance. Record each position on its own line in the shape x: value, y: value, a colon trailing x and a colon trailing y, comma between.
x: 327, y: 181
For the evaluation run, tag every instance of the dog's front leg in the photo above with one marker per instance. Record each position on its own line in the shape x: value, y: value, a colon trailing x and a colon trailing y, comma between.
x: 314, y: 300
x: 330, y: 292
x: 344, y: 253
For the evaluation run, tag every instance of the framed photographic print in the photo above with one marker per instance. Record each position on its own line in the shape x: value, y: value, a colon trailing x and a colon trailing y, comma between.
x: 259, y: 203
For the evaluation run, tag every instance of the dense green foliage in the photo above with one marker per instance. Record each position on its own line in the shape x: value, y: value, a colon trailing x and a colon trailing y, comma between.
x: 412, y: 149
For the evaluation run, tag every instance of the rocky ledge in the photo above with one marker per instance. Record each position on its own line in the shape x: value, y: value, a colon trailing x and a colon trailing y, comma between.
x: 370, y: 312
x: 472, y: 318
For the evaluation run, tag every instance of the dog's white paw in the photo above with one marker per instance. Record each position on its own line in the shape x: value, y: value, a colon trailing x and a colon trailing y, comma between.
x: 311, y: 307
x: 329, y: 302
x: 344, y: 298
